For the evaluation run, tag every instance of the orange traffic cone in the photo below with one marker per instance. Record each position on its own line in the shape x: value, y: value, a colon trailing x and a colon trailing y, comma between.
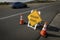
x: 21, y: 19
x: 43, y: 31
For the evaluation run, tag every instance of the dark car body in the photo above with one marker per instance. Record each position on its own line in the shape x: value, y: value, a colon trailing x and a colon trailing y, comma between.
x: 19, y: 5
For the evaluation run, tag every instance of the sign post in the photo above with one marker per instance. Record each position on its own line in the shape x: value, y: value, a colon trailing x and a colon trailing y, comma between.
x: 34, y: 18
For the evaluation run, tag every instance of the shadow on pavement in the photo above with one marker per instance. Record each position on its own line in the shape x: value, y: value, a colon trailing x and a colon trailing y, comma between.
x: 25, y: 23
x: 48, y: 35
x: 20, y: 8
x: 51, y: 28
x: 52, y: 35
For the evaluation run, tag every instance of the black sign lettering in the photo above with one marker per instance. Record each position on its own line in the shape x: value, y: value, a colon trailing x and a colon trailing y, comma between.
x: 33, y: 20
x: 34, y: 16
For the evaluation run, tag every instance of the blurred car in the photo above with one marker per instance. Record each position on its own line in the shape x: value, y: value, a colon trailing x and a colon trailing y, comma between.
x: 19, y: 5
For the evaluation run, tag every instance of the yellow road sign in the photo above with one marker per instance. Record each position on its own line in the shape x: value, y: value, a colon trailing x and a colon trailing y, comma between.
x: 34, y: 18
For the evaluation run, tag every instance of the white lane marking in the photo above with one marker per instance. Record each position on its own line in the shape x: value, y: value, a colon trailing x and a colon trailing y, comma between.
x: 22, y: 13
x: 12, y: 15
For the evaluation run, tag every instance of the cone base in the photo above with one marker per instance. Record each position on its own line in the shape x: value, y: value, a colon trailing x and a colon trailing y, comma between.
x: 21, y: 22
x: 43, y: 33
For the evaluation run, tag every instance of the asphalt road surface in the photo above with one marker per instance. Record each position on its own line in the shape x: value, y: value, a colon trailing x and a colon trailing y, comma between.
x: 10, y: 29
x: 6, y: 9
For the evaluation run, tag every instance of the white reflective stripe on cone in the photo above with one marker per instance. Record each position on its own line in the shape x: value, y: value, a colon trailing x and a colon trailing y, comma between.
x: 20, y: 17
x: 44, y: 27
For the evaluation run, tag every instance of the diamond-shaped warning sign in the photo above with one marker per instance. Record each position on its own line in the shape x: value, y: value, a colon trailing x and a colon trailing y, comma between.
x: 34, y: 18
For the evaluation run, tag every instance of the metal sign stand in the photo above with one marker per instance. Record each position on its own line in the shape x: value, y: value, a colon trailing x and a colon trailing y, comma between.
x: 34, y: 27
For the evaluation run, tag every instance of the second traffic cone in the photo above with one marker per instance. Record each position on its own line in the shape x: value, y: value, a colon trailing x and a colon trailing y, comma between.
x: 43, y: 31
x: 21, y: 19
